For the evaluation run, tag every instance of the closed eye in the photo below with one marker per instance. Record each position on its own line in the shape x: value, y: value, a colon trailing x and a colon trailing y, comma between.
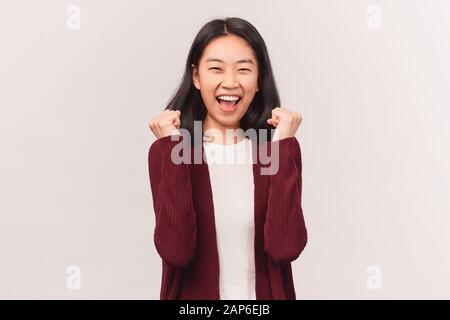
x: 216, y: 68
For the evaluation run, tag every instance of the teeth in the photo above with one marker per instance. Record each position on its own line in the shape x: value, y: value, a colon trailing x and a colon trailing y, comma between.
x: 228, y: 98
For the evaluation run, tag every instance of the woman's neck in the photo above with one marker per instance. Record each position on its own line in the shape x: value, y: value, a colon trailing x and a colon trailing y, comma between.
x: 222, y: 134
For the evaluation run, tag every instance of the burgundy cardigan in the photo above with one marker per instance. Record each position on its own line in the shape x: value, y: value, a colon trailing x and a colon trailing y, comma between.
x: 184, y: 233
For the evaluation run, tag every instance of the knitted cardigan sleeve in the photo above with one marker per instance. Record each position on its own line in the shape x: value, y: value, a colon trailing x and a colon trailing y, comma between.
x: 175, y: 231
x: 285, y: 233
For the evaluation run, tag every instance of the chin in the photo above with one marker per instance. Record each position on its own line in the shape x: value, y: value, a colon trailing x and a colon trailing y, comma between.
x: 228, y: 120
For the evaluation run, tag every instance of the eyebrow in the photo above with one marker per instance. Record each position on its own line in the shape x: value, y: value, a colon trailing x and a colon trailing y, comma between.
x: 240, y: 61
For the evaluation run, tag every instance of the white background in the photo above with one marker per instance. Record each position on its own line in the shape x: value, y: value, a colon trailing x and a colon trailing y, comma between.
x: 74, y: 139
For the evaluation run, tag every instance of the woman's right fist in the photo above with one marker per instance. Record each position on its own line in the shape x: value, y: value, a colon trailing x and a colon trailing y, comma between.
x: 166, y: 124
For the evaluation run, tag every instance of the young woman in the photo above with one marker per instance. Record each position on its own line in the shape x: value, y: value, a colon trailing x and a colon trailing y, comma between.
x: 224, y: 230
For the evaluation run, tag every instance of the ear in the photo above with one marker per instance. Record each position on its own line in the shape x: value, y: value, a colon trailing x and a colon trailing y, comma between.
x: 195, y: 77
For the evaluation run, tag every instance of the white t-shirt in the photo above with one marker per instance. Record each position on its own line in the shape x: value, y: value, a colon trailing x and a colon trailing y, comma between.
x: 231, y: 173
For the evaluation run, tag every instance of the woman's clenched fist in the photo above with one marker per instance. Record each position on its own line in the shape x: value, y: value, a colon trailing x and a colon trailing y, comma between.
x: 167, y: 123
x: 286, y: 123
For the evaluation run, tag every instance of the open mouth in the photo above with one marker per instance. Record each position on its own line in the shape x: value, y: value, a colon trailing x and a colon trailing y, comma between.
x: 228, y: 102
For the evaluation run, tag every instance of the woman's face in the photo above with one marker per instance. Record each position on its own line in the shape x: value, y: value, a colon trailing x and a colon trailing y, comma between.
x: 227, y: 71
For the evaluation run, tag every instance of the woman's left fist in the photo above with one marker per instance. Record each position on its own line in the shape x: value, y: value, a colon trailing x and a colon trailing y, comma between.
x: 286, y: 123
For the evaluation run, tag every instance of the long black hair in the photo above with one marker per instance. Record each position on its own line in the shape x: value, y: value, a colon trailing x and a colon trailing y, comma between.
x: 187, y: 97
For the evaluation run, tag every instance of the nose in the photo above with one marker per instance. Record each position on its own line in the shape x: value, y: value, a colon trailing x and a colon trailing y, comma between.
x: 229, y: 81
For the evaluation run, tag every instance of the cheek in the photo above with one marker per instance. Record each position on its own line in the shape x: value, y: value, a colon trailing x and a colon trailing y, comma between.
x: 207, y: 92
x: 208, y: 87
x: 250, y: 83
x: 250, y: 88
